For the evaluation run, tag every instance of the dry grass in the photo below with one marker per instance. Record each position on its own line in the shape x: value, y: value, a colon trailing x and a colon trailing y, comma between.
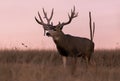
x: 36, y: 65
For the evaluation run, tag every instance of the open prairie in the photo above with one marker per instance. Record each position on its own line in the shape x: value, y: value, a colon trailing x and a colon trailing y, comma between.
x: 42, y: 65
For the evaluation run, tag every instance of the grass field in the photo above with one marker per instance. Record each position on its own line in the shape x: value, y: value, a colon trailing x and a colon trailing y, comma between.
x: 42, y: 65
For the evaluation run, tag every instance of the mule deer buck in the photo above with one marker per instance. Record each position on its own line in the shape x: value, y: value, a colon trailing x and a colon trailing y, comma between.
x: 68, y: 45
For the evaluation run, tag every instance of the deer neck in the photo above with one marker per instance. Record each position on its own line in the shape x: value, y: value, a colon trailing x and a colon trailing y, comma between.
x: 59, y: 39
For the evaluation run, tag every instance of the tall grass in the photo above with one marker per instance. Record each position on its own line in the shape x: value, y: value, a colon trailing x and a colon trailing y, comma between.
x: 46, y: 65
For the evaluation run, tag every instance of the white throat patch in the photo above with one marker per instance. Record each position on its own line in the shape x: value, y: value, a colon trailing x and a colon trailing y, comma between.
x: 56, y: 38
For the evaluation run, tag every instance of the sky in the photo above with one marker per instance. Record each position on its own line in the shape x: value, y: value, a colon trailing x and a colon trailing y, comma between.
x: 17, y: 23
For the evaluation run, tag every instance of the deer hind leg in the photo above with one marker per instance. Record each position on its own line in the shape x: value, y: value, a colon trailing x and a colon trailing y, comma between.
x: 92, y: 59
x: 64, y: 61
x: 88, y: 58
x: 87, y: 62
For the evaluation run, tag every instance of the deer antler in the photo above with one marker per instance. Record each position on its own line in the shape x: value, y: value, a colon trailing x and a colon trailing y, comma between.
x: 49, y: 25
x: 41, y: 22
x: 71, y: 16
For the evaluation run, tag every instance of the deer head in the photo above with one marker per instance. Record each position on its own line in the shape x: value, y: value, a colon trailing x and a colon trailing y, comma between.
x: 54, y: 30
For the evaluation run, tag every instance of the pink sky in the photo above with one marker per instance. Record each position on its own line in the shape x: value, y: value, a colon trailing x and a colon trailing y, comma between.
x: 17, y: 23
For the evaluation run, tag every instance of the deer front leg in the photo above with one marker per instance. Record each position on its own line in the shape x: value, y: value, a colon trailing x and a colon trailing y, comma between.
x: 64, y: 61
x: 74, y: 63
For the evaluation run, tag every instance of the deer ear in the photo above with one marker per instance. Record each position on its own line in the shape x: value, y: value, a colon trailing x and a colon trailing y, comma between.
x: 61, y: 28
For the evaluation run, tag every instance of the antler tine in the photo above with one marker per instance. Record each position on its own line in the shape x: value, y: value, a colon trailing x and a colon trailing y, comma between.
x: 37, y: 20
x: 51, y: 14
x: 72, y: 15
x: 45, y: 14
x: 40, y: 17
x: 41, y: 21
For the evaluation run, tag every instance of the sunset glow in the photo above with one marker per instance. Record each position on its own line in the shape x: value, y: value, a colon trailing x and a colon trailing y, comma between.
x: 17, y: 23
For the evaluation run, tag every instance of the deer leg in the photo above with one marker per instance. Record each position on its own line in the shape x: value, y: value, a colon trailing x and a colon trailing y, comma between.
x: 92, y: 60
x: 64, y: 61
x: 87, y: 62
x: 74, y: 64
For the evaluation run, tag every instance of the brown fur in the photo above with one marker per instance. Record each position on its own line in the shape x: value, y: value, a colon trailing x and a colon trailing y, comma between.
x: 72, y: 46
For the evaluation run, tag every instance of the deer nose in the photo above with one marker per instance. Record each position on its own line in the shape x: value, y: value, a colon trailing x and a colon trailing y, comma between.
x: 48, y: 34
